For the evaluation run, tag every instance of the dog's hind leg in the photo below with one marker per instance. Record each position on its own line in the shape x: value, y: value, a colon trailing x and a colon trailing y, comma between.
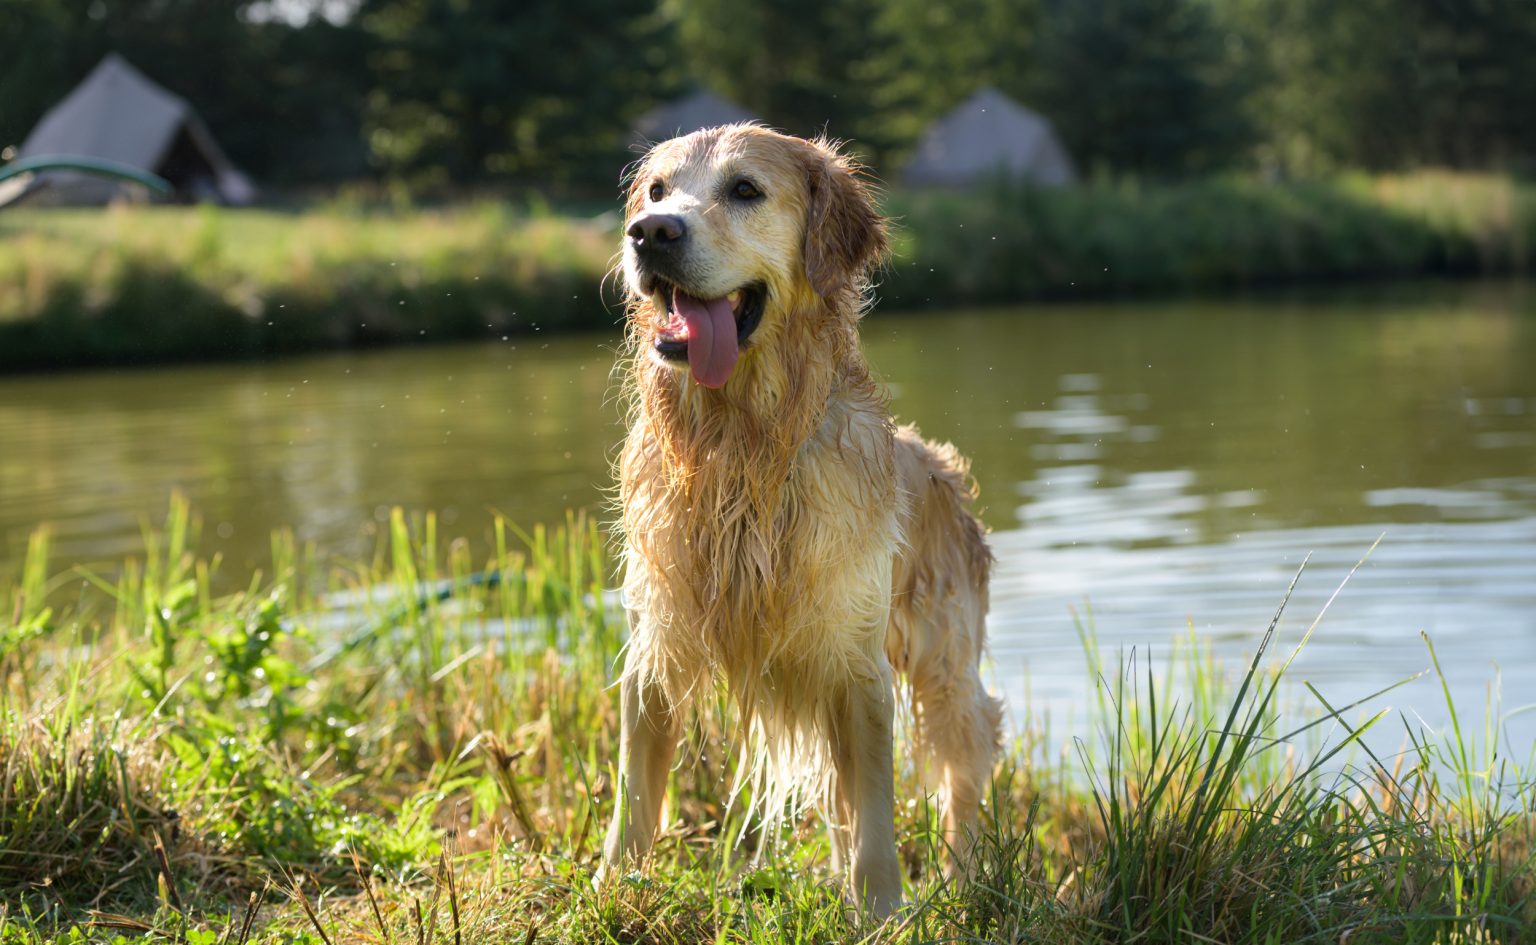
x: 959, y: 726
x: 938, y: 631
x: 647, y: 741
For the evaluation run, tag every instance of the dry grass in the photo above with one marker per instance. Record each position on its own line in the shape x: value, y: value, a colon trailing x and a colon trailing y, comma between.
x: 418, y: 748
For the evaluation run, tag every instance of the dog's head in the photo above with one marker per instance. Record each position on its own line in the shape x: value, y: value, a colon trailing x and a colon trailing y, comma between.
x: 731, y: 231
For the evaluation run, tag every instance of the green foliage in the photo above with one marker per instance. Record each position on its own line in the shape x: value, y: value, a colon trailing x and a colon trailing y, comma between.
x: 463, y: 796
x: 234, y: 747
x: 473, y: 91
x: 794, y: 63
x: 1142, y: 87
x: 1390, y: 83
x: 161, y: 284
x: 31, y: 618
x: 168, y: 283
x: 1010, y: 243
x: 282, y: 100
x: 924, y: 58
x: 449, y: 94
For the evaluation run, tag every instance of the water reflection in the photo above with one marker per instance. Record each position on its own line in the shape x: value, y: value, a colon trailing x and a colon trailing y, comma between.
x: 1169, y: 463
x: 326, y: 444
x: 1161, y: 467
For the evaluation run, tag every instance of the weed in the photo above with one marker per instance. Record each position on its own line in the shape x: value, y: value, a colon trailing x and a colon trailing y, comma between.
x: 419, y: 749
x: 132, y: 285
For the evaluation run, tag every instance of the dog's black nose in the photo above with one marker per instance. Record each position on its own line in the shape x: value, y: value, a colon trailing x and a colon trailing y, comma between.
x: 656, y: 232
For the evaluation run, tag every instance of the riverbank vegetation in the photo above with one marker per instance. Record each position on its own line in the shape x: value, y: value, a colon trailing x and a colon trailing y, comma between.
x: 1009, y: 244
x: 413, y: 749
x: 140, y: 284
x: 163, y: 283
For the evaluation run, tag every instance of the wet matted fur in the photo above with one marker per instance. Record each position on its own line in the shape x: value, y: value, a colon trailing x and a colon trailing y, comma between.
x: 780, y: 532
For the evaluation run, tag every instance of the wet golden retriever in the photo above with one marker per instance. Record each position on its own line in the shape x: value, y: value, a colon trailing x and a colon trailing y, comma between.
x: 780, y: 531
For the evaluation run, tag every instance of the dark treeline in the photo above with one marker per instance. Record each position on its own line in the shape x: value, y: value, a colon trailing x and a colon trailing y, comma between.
x: 440, y: 93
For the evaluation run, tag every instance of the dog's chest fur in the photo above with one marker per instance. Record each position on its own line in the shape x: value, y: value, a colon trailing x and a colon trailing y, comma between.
x: 764, y: 578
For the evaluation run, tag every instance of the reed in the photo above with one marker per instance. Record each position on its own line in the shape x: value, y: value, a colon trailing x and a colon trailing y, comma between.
x: 419, y: 747
x: 146, y: 284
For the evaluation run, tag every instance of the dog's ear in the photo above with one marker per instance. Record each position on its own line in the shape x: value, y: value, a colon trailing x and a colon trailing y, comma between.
x: 844, y: 236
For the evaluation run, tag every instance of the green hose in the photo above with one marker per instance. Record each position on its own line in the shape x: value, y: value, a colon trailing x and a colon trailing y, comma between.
x: 105, y: 168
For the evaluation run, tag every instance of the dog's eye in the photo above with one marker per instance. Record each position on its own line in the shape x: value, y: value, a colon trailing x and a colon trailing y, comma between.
x: 657, y: 191
x: 746, y: 190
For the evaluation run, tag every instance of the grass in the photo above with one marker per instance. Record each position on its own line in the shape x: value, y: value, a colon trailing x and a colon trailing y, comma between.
x: 131, y: 285
x: 135, y: 284
x: 1007, y: 244
x: 419, y: 747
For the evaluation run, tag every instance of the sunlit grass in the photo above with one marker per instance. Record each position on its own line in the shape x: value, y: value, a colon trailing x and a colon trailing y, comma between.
x: 164, y: 283
x: 133, y: 284
x: 419, y: 748
x: 1005, y: 244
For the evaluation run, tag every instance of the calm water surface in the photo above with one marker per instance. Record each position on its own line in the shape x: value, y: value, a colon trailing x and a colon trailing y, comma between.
x: 1149, y: 467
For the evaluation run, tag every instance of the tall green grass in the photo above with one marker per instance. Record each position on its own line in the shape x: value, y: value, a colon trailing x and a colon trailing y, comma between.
x: 141, y: 284
x: 133, y: 284
x: 1006, y: 244
x: 419, y: 747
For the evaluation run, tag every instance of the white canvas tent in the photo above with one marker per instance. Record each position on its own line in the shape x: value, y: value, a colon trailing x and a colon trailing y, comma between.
x: 118, y: 114
x: 986, y: 135
x: 700, y: 109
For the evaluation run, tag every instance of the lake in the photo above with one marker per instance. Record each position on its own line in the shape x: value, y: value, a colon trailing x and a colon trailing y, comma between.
x: 1152, y: 468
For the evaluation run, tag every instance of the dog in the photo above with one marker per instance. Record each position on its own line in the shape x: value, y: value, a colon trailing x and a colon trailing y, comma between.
x: 780, y: 531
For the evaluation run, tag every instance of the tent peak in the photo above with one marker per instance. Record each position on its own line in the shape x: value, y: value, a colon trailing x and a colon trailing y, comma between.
x: 119, y: 114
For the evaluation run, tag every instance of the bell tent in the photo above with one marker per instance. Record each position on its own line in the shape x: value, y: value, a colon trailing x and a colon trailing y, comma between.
x: 700, y: 109
x: 989, y: 135
x: 118, y: 114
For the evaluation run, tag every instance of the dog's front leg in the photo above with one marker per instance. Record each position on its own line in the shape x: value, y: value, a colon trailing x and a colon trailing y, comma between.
x: 861, y: 753
x: 647, y: 740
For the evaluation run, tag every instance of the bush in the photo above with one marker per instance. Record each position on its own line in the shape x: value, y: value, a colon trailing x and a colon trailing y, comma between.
x: 1011, y: 243
x: 162, y: 283
x: 155, y: 284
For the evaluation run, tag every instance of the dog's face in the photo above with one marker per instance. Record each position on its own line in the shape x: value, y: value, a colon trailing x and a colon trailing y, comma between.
x: 729, y: 231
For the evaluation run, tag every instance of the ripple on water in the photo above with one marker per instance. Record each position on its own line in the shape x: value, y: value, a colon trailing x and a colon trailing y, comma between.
x: 1164, y: 464
x: 1470, y: 585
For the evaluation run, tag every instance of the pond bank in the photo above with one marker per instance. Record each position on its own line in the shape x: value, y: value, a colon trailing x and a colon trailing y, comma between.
x: 1170, y: 462
x: 138, y: 285
x: 176, y: 763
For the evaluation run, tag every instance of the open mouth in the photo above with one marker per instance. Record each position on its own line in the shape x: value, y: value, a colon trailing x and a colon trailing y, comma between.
x: 708, y: 334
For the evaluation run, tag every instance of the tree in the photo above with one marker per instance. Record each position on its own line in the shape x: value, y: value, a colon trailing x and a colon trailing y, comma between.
x: 1141, y: 86
x: 1394, y: 83
x: 792, y: 62
x: 925, y: 57
x: 274, y: 95
x: 467, y: 90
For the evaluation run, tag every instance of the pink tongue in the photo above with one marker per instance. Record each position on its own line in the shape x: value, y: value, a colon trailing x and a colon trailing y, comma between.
x: 711, y: 337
